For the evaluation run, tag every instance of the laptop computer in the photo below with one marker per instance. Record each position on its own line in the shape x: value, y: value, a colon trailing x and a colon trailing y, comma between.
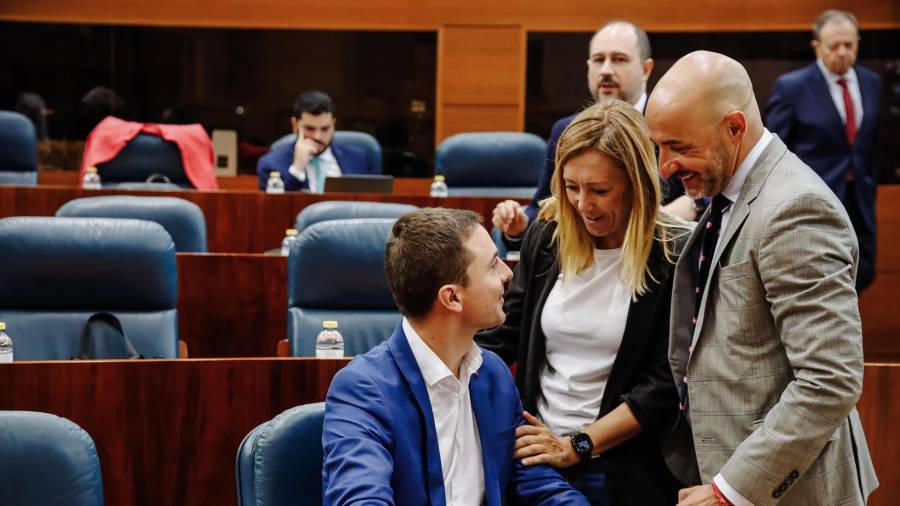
x: 353, y: 183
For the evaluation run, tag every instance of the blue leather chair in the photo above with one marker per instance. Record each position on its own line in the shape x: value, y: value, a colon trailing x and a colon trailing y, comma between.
x: 349, y: 209
x: 57, y: 272
x: 18, y: 149
x: 47, y: 460
x: 360, y: 139
x: 183, y: 220
x: 146, y: 157
x: 280, y: 461
x: 502, y: 164
x: 336, y: 272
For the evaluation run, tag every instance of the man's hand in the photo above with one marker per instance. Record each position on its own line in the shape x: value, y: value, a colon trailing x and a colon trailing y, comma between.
x: 304, y: 150
x: 701, y: 495
x: 510, y: 218
x: 536, y: 444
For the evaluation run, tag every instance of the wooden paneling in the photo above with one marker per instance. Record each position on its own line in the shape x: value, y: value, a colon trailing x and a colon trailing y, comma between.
x: 481, y: 79
x: 887, y: 213
x: 540, y: 15
x: 878, y: 308
x: 879, y: 409
x: 236, y: 221
x: 232, y: 305
x: 166, y: 431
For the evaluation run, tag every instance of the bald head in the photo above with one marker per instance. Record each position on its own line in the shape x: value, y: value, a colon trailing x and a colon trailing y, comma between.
x: 705, y: 119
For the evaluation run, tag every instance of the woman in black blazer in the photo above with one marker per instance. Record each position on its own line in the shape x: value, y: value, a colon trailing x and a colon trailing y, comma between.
x: 601, y: 226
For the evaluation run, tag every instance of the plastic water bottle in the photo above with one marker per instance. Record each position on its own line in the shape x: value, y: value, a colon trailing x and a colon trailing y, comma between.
x: 274, y: 184
x: 439, y: 187
x: 329, y: 342
x: 91, y: 179
x: 290, y: 237
x: 6, y: 345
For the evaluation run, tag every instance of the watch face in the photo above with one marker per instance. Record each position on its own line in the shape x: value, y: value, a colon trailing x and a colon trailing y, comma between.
x: 582, y: 446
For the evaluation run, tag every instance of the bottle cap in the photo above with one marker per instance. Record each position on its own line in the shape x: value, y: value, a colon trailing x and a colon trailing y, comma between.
x: 290, y: 231
x: 2, y: 326
x: 329, y: 324
x: 274, y: 173
x: 438, y: 178
x: 91, y: 169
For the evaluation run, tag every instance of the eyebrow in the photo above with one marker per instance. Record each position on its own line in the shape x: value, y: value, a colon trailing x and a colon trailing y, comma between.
x: 613, y: 53
x: 672, y: 142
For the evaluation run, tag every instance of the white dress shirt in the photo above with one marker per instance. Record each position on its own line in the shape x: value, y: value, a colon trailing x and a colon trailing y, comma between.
x: 327, y: 162
x: 732, y: 192
x: 454, y: 420
x: 583, y: 320
x: 837, y: 92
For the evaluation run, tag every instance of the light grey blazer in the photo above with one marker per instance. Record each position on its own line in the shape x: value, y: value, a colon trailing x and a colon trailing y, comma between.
x: 777, y: 365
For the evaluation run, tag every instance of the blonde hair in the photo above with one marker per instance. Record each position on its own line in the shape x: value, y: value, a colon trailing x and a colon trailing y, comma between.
x: 616, y: 129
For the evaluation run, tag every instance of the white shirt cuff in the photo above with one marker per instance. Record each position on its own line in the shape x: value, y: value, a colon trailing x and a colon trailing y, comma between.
x: 730, y: 493
x: 300, y: 174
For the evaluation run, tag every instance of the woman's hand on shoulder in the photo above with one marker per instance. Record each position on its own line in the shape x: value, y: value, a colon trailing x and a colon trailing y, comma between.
x: 537, y: 444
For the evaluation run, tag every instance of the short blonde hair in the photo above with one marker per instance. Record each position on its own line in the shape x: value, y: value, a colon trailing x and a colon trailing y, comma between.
x: 616, y: 129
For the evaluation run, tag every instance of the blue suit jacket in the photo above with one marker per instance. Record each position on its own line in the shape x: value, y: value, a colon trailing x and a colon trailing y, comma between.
x: 351, y: 159
x: 802, y: 113
x: 381, y: 445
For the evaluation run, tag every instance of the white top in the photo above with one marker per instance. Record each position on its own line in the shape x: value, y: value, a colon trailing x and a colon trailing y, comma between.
x: 837, y: 92
x: 327, y: 162
x: 583, y: 321
x: 454, y: 420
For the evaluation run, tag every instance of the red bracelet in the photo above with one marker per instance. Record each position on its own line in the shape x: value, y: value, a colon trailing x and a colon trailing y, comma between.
x: 720, y: 496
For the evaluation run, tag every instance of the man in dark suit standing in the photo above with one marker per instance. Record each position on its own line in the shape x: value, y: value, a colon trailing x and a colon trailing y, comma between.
x: 305, y: 164
x: 827, y: 114
x: 618, y: 66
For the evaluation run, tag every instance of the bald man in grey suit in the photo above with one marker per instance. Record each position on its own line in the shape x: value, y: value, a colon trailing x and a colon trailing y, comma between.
x: 766, y: 343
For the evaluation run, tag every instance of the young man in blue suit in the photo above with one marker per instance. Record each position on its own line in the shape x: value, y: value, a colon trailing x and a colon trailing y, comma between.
x: 827, y: 114
x: 306, y: 163
x: 428, y: 417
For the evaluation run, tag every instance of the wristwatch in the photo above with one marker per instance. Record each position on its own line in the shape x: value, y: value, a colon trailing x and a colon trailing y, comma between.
x: 582, y: 444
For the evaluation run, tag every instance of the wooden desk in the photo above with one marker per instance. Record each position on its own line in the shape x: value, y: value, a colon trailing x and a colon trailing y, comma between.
x: 236, y: 221
x: 167, y: 431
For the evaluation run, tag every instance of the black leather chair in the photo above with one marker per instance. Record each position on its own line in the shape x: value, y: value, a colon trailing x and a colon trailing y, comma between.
x: 280, y: 461
x: 18, y: 149
x: 146, y: 162
x: 182, y: 219
x: 57, y: 272
x: 48, y: 461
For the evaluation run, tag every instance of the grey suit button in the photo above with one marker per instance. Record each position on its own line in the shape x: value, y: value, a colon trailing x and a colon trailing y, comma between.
x: 794, y: 475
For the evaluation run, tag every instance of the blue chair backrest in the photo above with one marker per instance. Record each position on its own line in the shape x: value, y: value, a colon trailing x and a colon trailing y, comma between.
x: 183, y: 220
x: 491, y: 163
x: 142, y: 157
x: 18, y: 149
x: 57, y: 272
x: 361, y: 139
x: 280, y: 461
x: 349, y: 209
x: 336, y: 272
x: 47, y: 460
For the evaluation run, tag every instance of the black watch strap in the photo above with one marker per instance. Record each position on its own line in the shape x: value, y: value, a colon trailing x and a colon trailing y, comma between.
x: 583, y: 445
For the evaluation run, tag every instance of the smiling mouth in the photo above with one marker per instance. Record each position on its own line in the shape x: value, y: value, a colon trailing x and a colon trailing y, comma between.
x: 591, y: 220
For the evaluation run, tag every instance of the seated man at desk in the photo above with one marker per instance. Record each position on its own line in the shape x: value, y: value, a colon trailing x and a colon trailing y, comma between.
x: 428, y: 417
x: 306, y: 163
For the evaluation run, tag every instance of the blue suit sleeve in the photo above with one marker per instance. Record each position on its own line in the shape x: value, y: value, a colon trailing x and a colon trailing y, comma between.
x: 541, y: 484
x: 262, y: 169
x: 356, y: 438
x: 780, y: 112
x: 543, y: 188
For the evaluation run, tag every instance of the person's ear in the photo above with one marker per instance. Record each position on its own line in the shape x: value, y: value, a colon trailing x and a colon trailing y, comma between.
x: 295, y: 125
x: 647, y: 68
x: 736, y: 123
x: 450, y: 297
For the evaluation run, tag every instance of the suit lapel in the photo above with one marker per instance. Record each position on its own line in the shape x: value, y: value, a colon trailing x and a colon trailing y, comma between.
x: 479, y: 393
x: 869, y: 95
x: 821, y: 93
x: 406, y: 363
x: 740, y: 210
x: 683, y: 302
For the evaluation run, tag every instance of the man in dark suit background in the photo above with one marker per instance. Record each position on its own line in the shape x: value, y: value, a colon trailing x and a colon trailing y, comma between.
x: 827, y: 114
x: 305, y: 164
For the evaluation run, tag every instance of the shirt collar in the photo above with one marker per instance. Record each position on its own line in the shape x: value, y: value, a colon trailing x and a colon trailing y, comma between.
x: 733, y: 190
x: 327, y: 155
x: 641, y: 103
x: 432, y: 367
x: 831, y: 77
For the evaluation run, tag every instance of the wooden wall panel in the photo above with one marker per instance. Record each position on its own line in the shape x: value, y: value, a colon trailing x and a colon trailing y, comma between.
x: 879, y: 410
x: 540, y: 15
x: 887, y: 216
x: 481, y: 79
